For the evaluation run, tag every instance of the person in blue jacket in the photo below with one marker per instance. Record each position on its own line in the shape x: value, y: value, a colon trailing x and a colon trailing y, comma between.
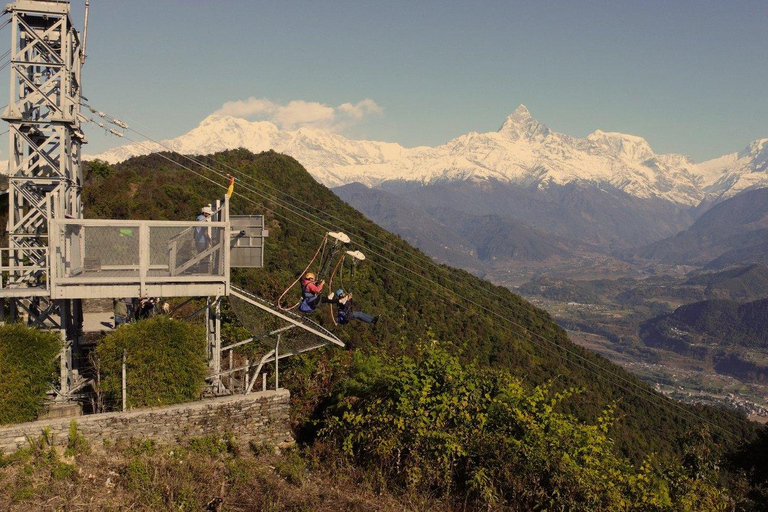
x: 345, y: 309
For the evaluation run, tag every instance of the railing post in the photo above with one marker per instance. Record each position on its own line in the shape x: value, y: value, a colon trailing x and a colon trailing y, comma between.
x: 144, y: 243
x: 277, y: 358
x: 227, y: 242
x: 123, y: 382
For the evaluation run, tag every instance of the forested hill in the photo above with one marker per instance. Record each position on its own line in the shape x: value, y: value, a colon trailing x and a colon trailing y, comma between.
x: 717, y: 323
x: 418, y: 300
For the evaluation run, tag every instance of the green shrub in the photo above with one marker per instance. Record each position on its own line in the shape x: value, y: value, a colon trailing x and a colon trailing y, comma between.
x: 76, y: 443
x: 27, y: 358
x: 165, y: 362
x: 436, y: 426
x: 291, y: 467
x: 212, y: 446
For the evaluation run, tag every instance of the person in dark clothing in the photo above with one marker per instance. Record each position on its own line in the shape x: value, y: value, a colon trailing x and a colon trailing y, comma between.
x: 134, y: 309
x: 146, y: 307
x: 345, y: 309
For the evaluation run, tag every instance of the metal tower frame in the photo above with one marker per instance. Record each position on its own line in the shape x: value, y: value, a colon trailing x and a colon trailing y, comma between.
x: 42, y: 273
x: 44, y: 168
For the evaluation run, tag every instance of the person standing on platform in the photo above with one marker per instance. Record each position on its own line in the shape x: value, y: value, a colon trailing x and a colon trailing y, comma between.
x: 120, y: 311
x: 202, y: 236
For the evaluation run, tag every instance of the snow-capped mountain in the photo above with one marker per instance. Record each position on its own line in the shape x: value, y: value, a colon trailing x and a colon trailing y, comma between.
x: 523, y: 151
x: 730, y: 174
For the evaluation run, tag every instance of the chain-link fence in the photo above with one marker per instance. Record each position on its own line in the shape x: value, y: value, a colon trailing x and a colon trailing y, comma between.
x: 146, y: 250
x: 275, y: 334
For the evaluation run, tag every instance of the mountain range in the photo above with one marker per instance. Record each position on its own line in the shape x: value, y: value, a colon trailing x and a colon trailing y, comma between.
x: 522, y: 152
x: 520, y: 196
x: 733, y: 232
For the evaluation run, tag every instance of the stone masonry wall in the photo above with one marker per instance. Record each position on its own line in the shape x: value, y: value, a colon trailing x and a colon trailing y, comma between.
x: 262, y: 417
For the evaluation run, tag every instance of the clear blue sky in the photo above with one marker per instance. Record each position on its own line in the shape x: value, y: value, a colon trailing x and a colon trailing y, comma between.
x: 689, y: 76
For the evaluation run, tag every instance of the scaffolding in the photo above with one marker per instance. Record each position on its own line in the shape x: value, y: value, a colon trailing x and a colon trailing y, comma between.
x: 55, y: 258
x: 44, y: 167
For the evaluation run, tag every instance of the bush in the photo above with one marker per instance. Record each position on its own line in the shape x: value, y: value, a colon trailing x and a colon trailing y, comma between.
x: 436, y: 426
x: 27, y: 370
x: 165, y: 362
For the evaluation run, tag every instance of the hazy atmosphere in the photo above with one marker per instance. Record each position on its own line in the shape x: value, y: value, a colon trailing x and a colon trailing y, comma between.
x: 688, y: 76
x: 432, y: 256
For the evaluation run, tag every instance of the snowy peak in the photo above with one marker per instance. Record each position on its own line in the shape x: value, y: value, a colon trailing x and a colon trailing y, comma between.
x: 630, y: 147
x: 214, y: 119
x: 520, y: 116
x: 521, y: 125
x: 216, y: 122
x: 757, y: 151
x: 730, y: 174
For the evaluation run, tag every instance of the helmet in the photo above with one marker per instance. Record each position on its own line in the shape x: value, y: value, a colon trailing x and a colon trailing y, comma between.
x: 339, y: 292
x: 309, y: 275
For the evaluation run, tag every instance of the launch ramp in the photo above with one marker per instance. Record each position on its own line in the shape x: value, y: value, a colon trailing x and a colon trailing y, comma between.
x: 246, y: 305
x: 277, y: 335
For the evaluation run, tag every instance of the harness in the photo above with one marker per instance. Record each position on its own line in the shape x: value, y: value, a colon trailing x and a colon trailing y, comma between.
x: 309, y: 299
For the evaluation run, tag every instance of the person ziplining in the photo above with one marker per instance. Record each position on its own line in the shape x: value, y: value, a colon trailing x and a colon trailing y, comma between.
x: 311, y: 293
x: 345, y: 310
x: 312, y: 283
x: 343, y: 298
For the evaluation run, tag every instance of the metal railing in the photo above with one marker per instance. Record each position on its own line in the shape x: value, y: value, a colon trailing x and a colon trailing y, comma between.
x: 90, y: 252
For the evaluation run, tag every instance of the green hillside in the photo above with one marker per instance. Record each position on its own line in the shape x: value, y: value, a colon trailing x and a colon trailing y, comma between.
x: 719, y: 323
x: 733, y: 335
x: 418, y: 300
x: 741, y: 283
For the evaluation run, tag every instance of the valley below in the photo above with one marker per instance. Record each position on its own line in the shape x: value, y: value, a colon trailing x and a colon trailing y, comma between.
x: 604, y: 313
x: 679, y: 307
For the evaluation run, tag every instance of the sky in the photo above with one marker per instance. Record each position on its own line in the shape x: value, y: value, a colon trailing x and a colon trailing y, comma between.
x: 691, y: 77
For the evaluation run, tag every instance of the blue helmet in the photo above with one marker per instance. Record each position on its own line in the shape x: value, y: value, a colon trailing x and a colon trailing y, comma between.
x: 339, y: 292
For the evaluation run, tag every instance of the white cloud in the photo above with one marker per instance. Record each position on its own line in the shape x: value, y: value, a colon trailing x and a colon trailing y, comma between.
x: 304, y: 113
x: 298, y: 113
x: 362, y: 109
x: 252, y: 107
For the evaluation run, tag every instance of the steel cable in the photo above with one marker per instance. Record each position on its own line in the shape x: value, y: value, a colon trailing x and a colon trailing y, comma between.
x: 309, y: 217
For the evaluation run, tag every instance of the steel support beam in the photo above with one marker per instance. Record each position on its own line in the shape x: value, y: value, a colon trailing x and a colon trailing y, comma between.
x: 44, y: 168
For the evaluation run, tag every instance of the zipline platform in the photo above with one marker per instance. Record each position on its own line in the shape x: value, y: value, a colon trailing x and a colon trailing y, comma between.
x: 102, y: 321
x: 116, y: 258
x: 95, y: 259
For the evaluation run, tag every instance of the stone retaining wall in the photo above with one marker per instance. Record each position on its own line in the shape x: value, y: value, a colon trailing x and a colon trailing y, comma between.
x: 262, y: 417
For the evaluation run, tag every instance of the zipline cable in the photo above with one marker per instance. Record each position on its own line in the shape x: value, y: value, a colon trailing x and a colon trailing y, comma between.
x: 288, y: 206
x: 243, y: 175
x: 484, y: 308
x: 584, y: 362
x: 602, y: 375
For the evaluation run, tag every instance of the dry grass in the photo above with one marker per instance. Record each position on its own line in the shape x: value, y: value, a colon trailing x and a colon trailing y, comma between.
x: 199, y: 474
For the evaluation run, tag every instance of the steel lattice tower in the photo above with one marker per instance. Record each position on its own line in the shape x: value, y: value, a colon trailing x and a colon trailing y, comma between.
x: 44, y: 168
x: 45, y: 274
